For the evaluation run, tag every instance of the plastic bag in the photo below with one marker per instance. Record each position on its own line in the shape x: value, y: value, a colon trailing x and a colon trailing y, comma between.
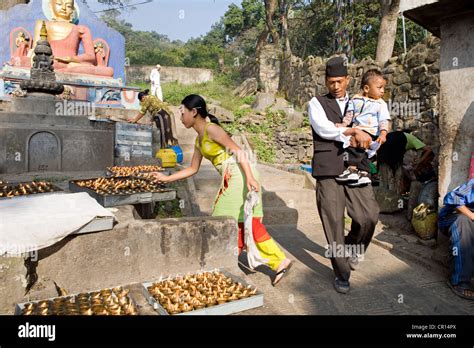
x: 424, y: 221
x: 253, y: 255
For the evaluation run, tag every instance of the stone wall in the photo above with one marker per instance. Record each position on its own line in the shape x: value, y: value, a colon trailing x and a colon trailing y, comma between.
x: 266, y: 67
x: 269, y: 68
x: 412, y: 94
x: 185, y: 76
x: 294, y: 147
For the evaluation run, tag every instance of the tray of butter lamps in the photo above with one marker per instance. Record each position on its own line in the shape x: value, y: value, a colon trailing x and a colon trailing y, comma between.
x: 132, y: 171
x: 206, y: 293
x: 116, y: 191
x: 11, y: 190
x: 115, y: 301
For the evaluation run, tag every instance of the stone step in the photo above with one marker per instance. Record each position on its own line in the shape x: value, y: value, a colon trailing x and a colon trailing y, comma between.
x: 208, y: 174
x: 303, y: 198
x: 207, y: 184
x: 206, y: 201
x: 288, y: 216
x: 272, y: 182
x: 285, y: 220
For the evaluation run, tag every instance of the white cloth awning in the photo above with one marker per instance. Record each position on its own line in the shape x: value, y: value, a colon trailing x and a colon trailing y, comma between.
x: 33, y: 222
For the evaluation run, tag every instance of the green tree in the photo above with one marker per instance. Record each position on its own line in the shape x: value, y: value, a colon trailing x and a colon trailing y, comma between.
x: 312, y: 28
x: 233, y: 22
x: 253, y: 12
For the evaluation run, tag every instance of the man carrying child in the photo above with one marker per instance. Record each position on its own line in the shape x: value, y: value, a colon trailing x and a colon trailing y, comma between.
x: 332, y: 197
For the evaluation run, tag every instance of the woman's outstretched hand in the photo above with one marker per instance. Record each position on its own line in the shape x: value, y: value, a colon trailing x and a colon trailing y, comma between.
x: 160, y: 177
x: 252, y: 184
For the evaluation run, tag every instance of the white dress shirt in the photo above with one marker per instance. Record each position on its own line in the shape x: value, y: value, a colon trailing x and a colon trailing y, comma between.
x: 325, y: 128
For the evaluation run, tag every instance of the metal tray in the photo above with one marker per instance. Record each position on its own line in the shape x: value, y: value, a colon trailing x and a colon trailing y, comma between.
x: 103, y: 223
x: 123, y: 199
x: 55, y: 188
x: 19, y: 306
x: 227, y: 308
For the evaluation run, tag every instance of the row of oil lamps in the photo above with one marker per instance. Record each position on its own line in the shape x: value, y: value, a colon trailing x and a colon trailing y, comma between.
x: 23, y: 189
x: 104, y: 302
x: 194, y: 292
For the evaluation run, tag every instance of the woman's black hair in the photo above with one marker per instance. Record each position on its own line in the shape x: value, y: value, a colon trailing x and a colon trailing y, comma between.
x: 194, y: 101
x: 143, y: 94
x: 393, y: 150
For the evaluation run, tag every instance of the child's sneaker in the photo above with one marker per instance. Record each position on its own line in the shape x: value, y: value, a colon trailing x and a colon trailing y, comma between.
x: 349, y: 175
x: 363, y: 179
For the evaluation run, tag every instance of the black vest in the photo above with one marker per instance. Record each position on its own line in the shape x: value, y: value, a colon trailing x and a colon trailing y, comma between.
x: 328, y: 155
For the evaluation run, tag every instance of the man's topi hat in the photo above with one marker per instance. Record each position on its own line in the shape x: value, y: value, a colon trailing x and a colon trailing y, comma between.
x: 336, y: 67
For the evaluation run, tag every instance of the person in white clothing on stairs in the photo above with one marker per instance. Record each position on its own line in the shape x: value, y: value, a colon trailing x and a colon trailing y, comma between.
x: 155, y: 79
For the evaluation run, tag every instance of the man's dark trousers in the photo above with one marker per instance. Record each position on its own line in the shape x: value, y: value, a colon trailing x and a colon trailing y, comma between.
x: 332, y: 198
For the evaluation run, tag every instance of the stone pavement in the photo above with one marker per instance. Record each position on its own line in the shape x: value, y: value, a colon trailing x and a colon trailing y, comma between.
x: 383, y: 284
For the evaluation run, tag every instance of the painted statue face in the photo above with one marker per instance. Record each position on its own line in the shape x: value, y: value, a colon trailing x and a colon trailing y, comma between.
x: 63, y: 9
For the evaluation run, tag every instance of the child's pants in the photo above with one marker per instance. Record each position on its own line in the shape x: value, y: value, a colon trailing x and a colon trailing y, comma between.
x: 358, y: 158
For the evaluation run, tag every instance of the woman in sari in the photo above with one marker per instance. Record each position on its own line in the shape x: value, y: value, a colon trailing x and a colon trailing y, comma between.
x: 238, y: 178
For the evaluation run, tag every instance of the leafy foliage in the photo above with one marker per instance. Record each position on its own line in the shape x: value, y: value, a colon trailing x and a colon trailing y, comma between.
x: 311, y: 26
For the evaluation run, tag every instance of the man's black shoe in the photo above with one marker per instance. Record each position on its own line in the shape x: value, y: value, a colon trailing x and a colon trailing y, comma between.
x: 341, y: 286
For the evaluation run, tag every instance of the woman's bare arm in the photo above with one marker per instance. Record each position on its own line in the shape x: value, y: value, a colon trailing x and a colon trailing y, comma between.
x: 186, y: 172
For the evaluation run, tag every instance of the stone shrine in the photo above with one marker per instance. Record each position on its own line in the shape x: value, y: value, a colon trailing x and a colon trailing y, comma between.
x: 62, y: 67
x: 89, y: 57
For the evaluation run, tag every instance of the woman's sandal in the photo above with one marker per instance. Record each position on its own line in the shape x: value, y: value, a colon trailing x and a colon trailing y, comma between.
x: 461, y: 291
x: 283, y: 272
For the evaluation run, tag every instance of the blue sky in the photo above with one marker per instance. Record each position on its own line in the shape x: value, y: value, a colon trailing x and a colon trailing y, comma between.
x: 178, y: 19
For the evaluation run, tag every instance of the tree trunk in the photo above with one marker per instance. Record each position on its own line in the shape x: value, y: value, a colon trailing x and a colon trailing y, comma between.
x: 262, y: 39
x: 6, y: 4
x: 388, y: 30
x: 284, y: 10
x: 270, y: 8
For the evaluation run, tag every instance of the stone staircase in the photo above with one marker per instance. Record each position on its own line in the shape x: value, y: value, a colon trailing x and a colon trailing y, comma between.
x: 286, y: 201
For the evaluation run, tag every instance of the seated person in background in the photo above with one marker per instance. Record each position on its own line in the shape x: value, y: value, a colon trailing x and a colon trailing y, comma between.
x: 368, y: 112
x: 394, y: 149
x: 457, y: 220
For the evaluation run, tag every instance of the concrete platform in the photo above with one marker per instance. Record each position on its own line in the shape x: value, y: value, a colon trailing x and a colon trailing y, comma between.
x: 134, y: 251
